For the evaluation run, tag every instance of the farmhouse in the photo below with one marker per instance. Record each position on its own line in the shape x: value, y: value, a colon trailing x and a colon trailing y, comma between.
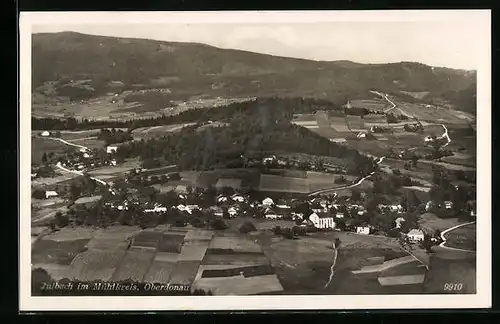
x: 363, y: 230
x: 322, y: 220
x: 415, y: 235
x: 267, y: 202
x: 448, y: 204
x: 45, y: 133
x: 50, y: 194
x: 111, y: 149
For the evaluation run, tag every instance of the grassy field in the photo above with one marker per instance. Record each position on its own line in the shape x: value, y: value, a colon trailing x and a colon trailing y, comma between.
x: 249, y: 178
x: 284, y: 184
x: 458, y: 158
x: 339, y: 124
x: 416, y: 95
x: 157, y: 131
x: 72, y: 136
x: 374, y: 104
x: 58, y: 252
x: 92, y: 143
x: 40, y: 145
x: 462, y: 238
x: 453, y: 167
x: 430, y: 222
x: 431, y: 114
x: 171, y: 243
x: 455, y: 268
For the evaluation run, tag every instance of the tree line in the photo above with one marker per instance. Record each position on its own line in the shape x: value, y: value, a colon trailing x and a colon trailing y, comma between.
x: 222, y: 113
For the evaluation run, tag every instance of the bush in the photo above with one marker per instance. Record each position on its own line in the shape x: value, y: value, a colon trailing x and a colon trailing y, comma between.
x: 180, y: 222
x: 38, y: 194
x: 219, y: 224
x: 247, y: 227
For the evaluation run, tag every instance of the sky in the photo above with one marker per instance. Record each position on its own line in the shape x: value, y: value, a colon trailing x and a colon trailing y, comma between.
x: 453, y: 43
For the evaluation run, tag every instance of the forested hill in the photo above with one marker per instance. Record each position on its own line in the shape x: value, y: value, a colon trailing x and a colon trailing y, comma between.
x: 189, y: 69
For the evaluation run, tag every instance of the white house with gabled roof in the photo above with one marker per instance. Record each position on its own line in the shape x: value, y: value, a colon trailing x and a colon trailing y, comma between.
x: 415, y: 235
x: 50, y: 194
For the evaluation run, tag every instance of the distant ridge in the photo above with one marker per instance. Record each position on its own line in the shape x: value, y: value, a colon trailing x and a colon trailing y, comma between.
x: 193, y: 69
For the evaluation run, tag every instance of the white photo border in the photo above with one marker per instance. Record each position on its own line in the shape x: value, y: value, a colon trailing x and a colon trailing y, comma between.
x: 482, y: 299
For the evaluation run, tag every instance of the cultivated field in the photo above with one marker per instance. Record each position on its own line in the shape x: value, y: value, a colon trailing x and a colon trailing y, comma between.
x: 95, y: 265
x: 431, y: 114
x: 134, y: 265
x: 373, y: 104
x: 146, y: 133
x: 283, y: 184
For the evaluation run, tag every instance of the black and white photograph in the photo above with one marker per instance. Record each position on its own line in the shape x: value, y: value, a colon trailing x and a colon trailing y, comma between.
x: 302, y: 160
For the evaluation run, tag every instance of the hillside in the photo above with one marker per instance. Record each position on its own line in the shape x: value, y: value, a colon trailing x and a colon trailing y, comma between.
x: 73, y: 66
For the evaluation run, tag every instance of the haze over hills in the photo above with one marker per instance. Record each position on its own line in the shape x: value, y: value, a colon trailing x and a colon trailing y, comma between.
x: 192, y: 69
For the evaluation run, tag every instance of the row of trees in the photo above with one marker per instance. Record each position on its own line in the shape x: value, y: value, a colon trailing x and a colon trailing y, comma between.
x: 113, y: 136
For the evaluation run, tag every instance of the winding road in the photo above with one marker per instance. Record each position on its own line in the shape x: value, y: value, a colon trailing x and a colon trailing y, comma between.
x: 381, y: 159
x: 355, y: 184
